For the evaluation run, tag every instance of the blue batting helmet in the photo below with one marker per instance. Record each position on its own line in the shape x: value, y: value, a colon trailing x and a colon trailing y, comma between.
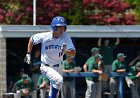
x: 58, y: 21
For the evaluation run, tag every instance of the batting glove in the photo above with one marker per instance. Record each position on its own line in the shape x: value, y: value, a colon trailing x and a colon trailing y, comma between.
x: 28, y: 58
x: 64, y: 47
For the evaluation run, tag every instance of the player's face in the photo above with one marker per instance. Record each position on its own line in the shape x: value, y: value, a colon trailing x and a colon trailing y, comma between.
x: 59, y: 31
x: 121, y: 59
x: 98, y: 59
x: 25, y: 81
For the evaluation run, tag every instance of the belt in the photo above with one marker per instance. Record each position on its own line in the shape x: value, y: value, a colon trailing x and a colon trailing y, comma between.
x: 56, y: 65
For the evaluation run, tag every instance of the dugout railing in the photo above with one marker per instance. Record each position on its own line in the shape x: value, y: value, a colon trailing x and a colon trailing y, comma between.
x: 90, y: 74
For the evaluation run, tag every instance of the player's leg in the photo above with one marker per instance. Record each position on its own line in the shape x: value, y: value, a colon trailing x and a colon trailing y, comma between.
x: 72, y: 88
x: 98, y: 89
x: 90, y: 92
x: 64, y: 89
x: 113, y: 88
x: 56, y: 80
x: 134, y: 87
x: 53, y: 92
x: 42, y: 93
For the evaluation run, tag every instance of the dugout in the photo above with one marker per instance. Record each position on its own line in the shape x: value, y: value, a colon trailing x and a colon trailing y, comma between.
x: 14, y: 39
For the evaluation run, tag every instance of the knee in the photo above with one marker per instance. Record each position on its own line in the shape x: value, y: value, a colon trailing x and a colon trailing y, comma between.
x: 58, y: 84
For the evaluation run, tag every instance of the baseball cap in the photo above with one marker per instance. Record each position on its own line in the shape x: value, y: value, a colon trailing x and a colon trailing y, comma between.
x: 98, y: 56
x: 25, y: 77
x: 94, y: 49
x: 120, y: 55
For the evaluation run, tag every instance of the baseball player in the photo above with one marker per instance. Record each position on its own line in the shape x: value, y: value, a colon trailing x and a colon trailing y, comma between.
x: 134, y: 80
x: 54, y: 45
x: 25, y: 87
x: 107, y: 50
x: 94, y: 86
x: 119, y: 65
x: 69, y: 83
x: 94, y: 51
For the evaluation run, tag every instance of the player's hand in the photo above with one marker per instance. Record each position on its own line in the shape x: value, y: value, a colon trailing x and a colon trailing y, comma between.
x: 138, y: 74
x: 71, y: 70
x: 27, y: 59
x: 100, y: 72
x: 64, y: 47
x: 25, y: 91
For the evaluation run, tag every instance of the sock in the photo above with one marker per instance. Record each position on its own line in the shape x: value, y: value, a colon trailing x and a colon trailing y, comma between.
x: 54, y: 93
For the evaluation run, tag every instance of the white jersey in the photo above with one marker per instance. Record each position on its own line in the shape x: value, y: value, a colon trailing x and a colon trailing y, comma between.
x: 51, y: 51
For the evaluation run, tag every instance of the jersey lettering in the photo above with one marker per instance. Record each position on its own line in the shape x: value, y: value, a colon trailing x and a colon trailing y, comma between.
x: 52, y: 47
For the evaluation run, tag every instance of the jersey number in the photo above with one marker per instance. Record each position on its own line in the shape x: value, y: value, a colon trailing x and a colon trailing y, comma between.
x: 60, y: 54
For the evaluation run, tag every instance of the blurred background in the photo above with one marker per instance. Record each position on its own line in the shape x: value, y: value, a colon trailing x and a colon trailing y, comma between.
x: 76, y: 12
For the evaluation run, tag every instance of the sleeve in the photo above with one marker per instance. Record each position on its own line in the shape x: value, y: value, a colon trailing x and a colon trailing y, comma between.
x: 88, y: 61
x: 37, y: 38
x: 47, y: 81
x: 114, y: 66
x: 131, y: 72
x: 39, y: 81
x: 63, y: 64
x: 17, y: 85
x: 69, y: 43
x: 91, y: 66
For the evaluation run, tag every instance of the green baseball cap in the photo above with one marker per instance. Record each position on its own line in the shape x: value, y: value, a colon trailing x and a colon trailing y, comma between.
x: 94, y: 49
x: 119, y: 55
x: 25, y: 77
x: 98, y: 56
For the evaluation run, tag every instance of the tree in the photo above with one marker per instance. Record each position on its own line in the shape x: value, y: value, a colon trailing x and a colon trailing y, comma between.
x: 75, y: 14
x: 47, y: 9
x: 114, y: 12
x: 135, y: 9
x: 14, y: 12
x: 82, y: 12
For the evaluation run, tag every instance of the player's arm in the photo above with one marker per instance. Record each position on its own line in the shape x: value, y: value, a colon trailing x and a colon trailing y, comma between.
x: 85, y: 67
x: 35, y: 39
x: 97, y: 71
x: 117, y: 41
x: 121, y: 70
x: 68, y: 46
x: 99, y: 42
x: 68, y: 70
x: 27, y: 59
x: 30, y: 46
